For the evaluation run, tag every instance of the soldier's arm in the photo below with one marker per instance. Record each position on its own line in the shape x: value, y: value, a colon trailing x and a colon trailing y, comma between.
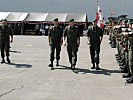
x: 49, y: 40
x: 64, y: 35
x: 78, y: 38
x: 61, y: 36
x: 101, y: 37
x: 64, y: 41
x: 88, y: 36
x: 11, y: 34
x: 49, y: 36
x: 11, y: 38
x: 61, y: 40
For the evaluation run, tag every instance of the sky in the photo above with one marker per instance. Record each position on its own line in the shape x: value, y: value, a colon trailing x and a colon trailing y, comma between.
x: 69, y: 6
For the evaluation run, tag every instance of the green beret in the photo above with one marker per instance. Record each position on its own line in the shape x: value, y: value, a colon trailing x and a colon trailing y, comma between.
x: 71, y: 20
x: 56, y: 19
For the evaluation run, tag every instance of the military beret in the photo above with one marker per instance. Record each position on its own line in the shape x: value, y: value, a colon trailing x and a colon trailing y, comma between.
x: 126, y: 21
x: 56, y: 19
x: 71, y: 20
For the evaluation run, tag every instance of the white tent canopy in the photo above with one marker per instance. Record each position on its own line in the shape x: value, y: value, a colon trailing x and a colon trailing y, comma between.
x: 36, y: 16
x: 3, y: 15
x: 16, y: 16
x: 42, y: 17
x: 60, y: 16
x: 78, y: 17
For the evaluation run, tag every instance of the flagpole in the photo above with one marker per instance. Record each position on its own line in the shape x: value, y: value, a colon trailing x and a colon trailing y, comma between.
x: 98, y: 2
x: 97, y: 16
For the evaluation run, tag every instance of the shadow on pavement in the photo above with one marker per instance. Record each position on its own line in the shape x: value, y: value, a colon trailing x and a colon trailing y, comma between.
x: 15, y: 51
x: 62, y: 67
x: 85, y: 71
x: 21, y: 65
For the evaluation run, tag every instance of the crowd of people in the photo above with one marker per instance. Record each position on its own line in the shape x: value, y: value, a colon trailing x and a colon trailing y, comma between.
x: 120, y: 30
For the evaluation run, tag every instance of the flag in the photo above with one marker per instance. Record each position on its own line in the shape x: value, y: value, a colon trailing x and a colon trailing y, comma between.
x: 112, y: 12
x: 100, y: 18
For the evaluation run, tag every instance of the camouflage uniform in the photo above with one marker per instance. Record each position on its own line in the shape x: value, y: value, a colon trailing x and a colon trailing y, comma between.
x: 95, y: 33
x: 55, y: 34
x: 72, y: 34
x: 5, y: 33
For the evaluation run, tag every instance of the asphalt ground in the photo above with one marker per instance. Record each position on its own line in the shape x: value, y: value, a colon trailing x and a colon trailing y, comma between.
x: 28, y: 77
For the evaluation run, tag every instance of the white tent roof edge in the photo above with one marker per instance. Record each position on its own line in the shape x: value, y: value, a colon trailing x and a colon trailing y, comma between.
x: 42, y: 17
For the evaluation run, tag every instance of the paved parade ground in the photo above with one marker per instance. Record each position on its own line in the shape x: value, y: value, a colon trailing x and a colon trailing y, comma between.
x: 28, y: 77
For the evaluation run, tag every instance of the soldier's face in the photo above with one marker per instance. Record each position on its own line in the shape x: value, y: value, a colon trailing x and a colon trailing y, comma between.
x: 71, y: 23
x: 56, y: 23
x: 95, y: 24
x: 4, y: 23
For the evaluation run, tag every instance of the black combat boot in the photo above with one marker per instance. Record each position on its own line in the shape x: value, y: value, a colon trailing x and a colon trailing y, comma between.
x: 93, y: 67
x: 124, y: 70
x: 127, y: 75
x: 97, y: 67
x: 117, y: 55
x: 3, y: 61
x: 73, y: 66
x: 51, y: 65
x: 57, y: 63
x: 123, y: 67
x: 8, y: 60
x: 121, y: 64
x: 130, y: 80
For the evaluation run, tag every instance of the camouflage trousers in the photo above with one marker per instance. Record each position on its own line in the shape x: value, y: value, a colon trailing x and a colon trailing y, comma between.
x: 53, y: 47
x: 4, y: 46
x: 72, y: 50
x: 94, y: 52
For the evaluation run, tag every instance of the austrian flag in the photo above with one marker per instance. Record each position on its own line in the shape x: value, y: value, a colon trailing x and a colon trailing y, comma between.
x: 100, y: 18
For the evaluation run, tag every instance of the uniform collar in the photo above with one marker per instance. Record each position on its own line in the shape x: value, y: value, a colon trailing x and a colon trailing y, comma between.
x: 71, y: 26
x: 56, y: 26
x: 95, y: 27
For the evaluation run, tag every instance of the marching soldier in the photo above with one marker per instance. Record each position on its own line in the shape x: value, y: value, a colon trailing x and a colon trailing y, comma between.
x: 55, y: 42
x: 73, y: 41
x: 95, y: 35
x: 5, y: 34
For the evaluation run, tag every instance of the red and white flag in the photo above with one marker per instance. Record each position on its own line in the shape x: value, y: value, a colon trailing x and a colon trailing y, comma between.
x: 112, y: 12
x: 100, y: 18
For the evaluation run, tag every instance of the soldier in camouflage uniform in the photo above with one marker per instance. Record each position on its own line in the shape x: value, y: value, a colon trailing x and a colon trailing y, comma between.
x: 130, y: 55
x: 55, y: 42
x: 73, y: 41
x: 5, y: 33
x: 95, y: 35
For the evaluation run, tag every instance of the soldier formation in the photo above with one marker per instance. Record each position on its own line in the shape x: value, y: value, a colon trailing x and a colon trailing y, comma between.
x: 120, y: 36
x: 71, y: 36
x: 120, y: 32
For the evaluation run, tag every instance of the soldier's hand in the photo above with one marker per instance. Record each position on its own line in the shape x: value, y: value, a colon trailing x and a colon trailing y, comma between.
x: 88, y: 43
x: 61, y: 43
x: 11, y: 41
x: 78, y: 43
x: 65, y: 44
x: 49, y: 44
